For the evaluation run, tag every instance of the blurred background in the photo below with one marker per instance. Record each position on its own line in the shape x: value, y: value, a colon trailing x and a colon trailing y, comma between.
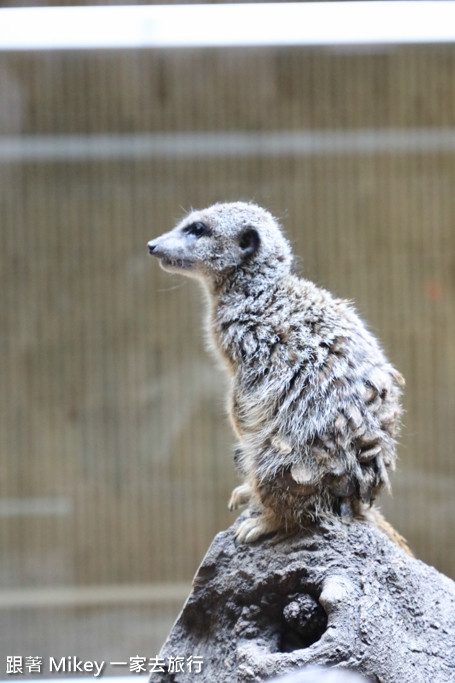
x: 116, y: 455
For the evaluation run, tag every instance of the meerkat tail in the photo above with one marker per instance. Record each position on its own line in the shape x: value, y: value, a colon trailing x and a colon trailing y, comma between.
x: 377, y: 519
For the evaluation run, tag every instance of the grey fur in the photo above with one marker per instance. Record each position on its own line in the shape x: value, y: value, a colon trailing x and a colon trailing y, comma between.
x: 313, y: 400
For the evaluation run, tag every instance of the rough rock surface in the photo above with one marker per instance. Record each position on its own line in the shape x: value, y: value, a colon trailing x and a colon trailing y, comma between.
x: 341, y: 595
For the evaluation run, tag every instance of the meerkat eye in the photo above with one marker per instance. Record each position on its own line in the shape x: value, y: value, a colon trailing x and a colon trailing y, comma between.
x: 197, y: 229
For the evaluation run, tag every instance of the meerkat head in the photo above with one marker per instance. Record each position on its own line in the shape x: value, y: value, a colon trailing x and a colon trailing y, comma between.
x: 215, y: 243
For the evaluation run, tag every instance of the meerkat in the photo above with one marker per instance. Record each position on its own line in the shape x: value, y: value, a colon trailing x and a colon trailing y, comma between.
x: 313, y: 401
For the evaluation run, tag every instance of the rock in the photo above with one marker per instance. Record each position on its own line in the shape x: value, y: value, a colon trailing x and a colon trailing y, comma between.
x: 340, y: 595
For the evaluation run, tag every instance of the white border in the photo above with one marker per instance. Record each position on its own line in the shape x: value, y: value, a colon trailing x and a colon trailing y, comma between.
x: 135, y: 678
x: 242, y: 24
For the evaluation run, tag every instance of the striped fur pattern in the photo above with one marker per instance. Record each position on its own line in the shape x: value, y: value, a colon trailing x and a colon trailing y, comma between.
x: 313, y: 400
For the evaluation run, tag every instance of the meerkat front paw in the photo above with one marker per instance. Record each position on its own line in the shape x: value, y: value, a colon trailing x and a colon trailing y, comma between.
x: 252, y: 528
x: 240, y: 496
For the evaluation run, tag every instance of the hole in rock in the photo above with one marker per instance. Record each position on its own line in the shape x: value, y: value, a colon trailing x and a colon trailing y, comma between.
x: 304, y: 622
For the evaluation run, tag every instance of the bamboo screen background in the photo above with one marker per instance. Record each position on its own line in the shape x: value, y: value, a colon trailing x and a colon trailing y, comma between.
x: 116, y: 454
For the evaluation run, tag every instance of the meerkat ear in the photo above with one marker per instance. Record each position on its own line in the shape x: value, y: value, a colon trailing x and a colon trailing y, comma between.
x: 249, y: 241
